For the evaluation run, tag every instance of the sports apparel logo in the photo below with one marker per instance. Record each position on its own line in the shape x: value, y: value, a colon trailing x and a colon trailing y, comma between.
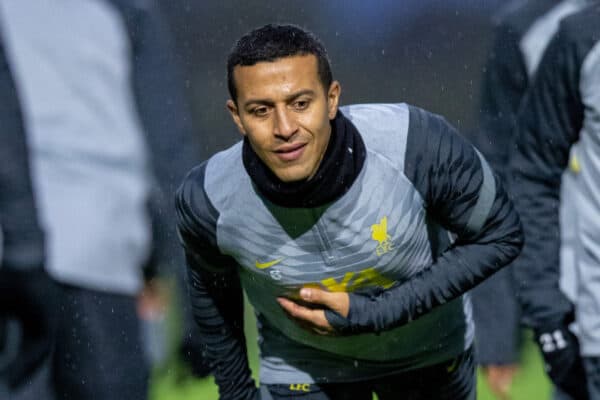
x: 380, y: 235
x: 452, y: 367
x: 300, y: 387
x: 268, y: 264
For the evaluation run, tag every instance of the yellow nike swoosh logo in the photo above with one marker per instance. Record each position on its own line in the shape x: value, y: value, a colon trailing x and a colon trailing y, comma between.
x: 267, y: 264
x: 450, y: 368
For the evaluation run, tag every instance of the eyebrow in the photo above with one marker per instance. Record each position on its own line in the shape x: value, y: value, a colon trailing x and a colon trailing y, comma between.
x: 288, y: 99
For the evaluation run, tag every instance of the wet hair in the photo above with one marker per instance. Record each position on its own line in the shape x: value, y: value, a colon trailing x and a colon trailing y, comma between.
x: 272, y: 42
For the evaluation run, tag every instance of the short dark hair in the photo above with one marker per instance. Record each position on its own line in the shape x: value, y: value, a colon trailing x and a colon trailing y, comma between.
x: 271, y: 42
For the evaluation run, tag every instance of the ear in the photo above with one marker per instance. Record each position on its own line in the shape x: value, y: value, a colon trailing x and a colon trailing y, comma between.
x: 235, y: 115
x: 333, y: 98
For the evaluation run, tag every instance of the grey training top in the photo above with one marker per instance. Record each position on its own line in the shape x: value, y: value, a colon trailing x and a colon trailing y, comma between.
x: 388, y: 235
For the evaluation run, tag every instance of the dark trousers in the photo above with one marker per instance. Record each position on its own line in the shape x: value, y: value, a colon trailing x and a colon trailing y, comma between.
x: 451, y: 380
x: 592, y: 369
x: 98, y: 353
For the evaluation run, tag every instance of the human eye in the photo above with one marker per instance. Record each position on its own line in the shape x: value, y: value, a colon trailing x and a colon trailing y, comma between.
x: 259, y: 111
x: 301, y: 104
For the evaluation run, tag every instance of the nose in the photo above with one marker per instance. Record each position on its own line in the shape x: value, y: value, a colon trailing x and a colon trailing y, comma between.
x: 285, y: 124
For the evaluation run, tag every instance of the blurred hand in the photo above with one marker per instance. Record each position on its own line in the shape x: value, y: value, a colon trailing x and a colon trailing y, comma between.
x: 153, y: 300
x: 31, y: 298
x: 563, y: 363
x: 499, y: 378
x: 310, y: 310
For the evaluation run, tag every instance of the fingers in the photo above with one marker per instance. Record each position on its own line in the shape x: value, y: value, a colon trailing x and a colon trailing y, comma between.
x: 313, y: 320
x: 336, y: 301
x: 304, y: 313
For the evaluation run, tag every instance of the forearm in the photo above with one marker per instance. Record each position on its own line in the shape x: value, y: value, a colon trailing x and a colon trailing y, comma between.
x: 217, y: 305
x: 456, y: 271
x: 460, y: 193
x: 536, y: 271
x: 449, y: 278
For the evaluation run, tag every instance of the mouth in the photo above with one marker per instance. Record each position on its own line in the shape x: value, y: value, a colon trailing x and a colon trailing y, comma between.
x: 290, y: 152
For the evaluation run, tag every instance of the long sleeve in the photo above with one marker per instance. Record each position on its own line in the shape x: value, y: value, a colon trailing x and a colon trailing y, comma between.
x: 520, y: 40
x: 462, y: 194
x: 215, y: 291
x: 548, y: 124
x: 22, y: 243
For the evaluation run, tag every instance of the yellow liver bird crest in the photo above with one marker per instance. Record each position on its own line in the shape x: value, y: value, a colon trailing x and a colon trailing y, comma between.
x: 379, y: 234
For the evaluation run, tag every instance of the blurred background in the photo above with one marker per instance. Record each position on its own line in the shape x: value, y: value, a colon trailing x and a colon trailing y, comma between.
x: 428, y: 53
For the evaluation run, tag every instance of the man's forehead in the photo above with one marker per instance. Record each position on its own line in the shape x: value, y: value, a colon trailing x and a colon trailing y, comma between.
x: 285, y: 75
x: 295, y: 63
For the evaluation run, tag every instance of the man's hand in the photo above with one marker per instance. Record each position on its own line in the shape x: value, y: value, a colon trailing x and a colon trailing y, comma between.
x: 562, y: 360
x: 499, y: 378
x: 310, y: 313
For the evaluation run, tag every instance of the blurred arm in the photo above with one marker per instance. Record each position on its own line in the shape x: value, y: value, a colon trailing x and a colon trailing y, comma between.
x: 549, y: 122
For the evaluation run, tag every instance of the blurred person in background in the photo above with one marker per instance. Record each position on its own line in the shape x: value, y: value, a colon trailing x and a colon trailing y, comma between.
x: 359, y: 201
x: 561, y: 109
x: 110, y: 135
x: 27, y: 293
x: 523, y: 30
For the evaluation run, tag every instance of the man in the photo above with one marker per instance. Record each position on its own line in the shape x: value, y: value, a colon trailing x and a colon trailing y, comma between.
x: 27, y: 293
x: 560, y: 109
x: 522, y: 32
x: 337, y: 225
x: 105, y: 117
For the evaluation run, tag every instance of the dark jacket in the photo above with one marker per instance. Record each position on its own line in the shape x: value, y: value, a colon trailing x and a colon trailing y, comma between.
x: 522, y: 32
x: 561, y: 108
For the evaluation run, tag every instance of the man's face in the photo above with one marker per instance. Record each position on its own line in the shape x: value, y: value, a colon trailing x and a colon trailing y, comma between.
x: 284, y: 111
